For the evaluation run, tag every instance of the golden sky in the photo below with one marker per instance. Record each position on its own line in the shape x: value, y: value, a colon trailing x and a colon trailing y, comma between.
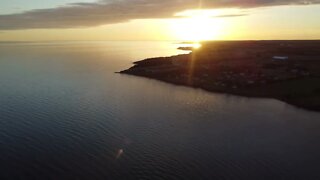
x: 109, y: 20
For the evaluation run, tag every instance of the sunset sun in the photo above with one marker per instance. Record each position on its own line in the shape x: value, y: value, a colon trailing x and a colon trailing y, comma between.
x: 196, y: 26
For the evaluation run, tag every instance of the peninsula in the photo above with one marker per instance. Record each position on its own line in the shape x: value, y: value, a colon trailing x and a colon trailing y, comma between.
x: 284, y: 70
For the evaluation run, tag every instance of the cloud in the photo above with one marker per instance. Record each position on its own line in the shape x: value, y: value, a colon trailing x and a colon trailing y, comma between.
x: 229, y: 15
x: 103, y: 12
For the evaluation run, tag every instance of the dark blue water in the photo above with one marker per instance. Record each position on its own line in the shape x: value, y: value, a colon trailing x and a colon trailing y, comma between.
x: 65, y: 114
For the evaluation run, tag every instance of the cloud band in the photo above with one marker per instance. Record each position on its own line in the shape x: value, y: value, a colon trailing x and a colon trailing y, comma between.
x: 103, y: 12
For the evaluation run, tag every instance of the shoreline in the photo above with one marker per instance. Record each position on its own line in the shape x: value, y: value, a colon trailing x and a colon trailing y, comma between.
x: 245, y: 74
x: 234, y: 93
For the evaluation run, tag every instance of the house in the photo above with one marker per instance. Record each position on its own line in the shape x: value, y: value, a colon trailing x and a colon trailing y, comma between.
x: 280, y: 58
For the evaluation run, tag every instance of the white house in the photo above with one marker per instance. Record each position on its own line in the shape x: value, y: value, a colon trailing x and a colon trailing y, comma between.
x: 281, y: 58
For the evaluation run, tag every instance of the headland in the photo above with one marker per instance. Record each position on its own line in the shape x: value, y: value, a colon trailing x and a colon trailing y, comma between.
x: 284, y: 70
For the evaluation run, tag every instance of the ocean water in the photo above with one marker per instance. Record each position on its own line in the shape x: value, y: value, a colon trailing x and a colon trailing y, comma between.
x: 65, y: 114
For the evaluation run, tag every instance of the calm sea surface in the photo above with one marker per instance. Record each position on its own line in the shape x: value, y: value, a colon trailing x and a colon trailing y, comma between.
x: 65, y: 114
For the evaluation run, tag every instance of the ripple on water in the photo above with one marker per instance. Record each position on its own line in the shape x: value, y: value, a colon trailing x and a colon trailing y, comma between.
x: 64, y: 114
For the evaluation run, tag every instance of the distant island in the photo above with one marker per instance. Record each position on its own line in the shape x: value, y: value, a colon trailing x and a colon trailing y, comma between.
x: 284, y: 70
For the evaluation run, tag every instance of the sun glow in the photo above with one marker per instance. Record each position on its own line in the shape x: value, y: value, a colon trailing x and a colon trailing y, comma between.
x: 197, y: 26
x: 196, y: 45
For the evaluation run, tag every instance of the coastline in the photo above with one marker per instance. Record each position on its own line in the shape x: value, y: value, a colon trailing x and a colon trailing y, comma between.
x: 224, y: 70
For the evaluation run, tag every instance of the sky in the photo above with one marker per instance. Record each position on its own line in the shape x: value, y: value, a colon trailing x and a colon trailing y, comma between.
x: 86, y: 20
